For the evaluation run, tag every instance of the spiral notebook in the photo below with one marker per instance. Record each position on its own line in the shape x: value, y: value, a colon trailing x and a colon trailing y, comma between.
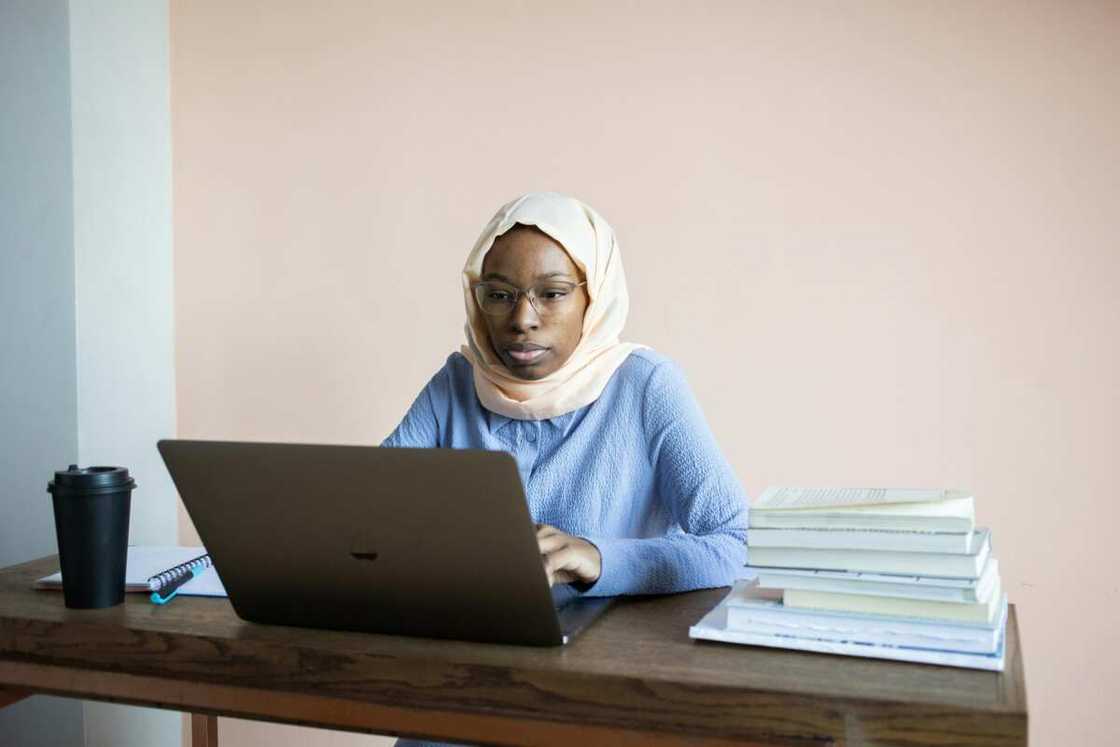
x: 161, y: 565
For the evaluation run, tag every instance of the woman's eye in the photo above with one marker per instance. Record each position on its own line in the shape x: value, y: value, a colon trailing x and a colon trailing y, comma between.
x: 500, y: 296
x: 553, y: 295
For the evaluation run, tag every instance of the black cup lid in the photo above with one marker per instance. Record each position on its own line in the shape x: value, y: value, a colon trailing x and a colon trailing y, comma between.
x: 90, y: 478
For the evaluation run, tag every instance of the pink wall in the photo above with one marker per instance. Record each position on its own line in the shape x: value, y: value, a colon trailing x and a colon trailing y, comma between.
x: 881, y: 239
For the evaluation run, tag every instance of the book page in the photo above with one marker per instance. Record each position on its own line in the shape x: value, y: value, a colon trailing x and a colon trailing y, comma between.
x: 794, y: 499
x: 206, y: 584
x: 145, y: 561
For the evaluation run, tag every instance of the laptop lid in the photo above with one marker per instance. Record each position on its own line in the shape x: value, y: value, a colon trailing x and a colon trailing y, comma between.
x: 425, y: 542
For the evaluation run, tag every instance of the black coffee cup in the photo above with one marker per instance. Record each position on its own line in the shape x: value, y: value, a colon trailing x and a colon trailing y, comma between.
x: 91, y: 510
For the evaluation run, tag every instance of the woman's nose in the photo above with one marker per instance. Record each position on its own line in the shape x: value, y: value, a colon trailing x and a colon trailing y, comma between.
x: 524, y: 315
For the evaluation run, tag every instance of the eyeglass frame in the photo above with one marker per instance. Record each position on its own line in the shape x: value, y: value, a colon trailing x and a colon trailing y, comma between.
x: 518, y: 293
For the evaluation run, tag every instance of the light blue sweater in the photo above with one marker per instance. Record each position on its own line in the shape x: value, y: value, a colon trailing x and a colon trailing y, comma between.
x: 637, y: 472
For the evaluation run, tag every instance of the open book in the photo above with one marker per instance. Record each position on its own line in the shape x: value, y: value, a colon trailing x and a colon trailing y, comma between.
x: 147, y: 562
x: 900, y: 509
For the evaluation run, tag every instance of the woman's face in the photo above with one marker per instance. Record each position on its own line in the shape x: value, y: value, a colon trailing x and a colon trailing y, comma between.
x: 532, y: 345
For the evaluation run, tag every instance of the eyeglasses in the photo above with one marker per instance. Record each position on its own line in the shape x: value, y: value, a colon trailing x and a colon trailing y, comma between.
x: 499, y: 299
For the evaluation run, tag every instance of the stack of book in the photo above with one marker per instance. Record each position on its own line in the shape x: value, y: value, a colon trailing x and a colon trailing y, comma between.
x: 885, y: 573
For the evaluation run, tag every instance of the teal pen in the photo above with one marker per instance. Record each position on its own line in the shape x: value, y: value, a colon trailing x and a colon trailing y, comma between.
x: 166, y: 585
x: 174, y: 586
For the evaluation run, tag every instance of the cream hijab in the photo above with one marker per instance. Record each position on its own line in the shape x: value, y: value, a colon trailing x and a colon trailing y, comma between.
x: 590, y: 242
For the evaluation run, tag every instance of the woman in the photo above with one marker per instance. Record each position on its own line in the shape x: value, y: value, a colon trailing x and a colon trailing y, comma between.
x: 621, y: 472
x: 629, y: 489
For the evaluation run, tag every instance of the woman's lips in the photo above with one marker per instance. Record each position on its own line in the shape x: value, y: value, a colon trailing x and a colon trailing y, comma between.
x: 526, y: 356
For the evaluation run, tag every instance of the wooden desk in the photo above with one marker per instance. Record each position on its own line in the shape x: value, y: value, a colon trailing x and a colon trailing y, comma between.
x: 634, y: 678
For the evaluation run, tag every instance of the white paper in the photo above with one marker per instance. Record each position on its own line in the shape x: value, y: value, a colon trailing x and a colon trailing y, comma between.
x: 789, y: 498
x: 145, y: 561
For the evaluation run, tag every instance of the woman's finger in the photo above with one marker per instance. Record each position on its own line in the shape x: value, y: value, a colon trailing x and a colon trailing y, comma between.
x: 568, y: 562
x: 552, y: 542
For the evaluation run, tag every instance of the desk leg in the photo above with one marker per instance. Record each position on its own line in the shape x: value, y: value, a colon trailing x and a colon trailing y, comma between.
x: 9, y: 696
x: 204, y: 730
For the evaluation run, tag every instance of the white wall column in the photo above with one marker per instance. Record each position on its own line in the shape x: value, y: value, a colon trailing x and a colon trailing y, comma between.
x: 120, y: 104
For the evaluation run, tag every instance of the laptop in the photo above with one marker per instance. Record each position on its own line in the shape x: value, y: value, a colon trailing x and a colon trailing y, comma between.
x: 436, y: 543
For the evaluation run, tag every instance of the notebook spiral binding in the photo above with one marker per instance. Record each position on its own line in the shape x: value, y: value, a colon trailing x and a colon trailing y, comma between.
x: 166, y: 578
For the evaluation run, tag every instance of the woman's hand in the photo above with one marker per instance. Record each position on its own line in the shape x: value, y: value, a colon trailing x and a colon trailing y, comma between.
x: 568, y: 559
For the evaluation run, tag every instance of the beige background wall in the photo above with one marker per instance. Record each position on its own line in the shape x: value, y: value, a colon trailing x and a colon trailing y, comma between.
x: 881, y: 238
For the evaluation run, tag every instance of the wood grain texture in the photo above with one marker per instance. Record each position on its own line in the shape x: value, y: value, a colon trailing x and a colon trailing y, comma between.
x: 204, y: 730
x: 633, y: 678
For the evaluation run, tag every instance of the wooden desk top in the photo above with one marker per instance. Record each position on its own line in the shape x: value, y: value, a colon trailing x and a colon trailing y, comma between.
x: 634, y: 677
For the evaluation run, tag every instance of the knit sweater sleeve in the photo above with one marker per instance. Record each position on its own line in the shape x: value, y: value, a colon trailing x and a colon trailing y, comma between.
x: 698, y: 488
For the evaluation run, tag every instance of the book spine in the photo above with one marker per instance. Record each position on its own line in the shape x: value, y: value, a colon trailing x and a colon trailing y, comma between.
x: 993, y: 662
x: 922, y: 564
x: 957, y: 543
x: 743, y: 618
x: 783, y: 520
x: 986, y: 644
x: 870, y: 588
x: 826, y: 601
